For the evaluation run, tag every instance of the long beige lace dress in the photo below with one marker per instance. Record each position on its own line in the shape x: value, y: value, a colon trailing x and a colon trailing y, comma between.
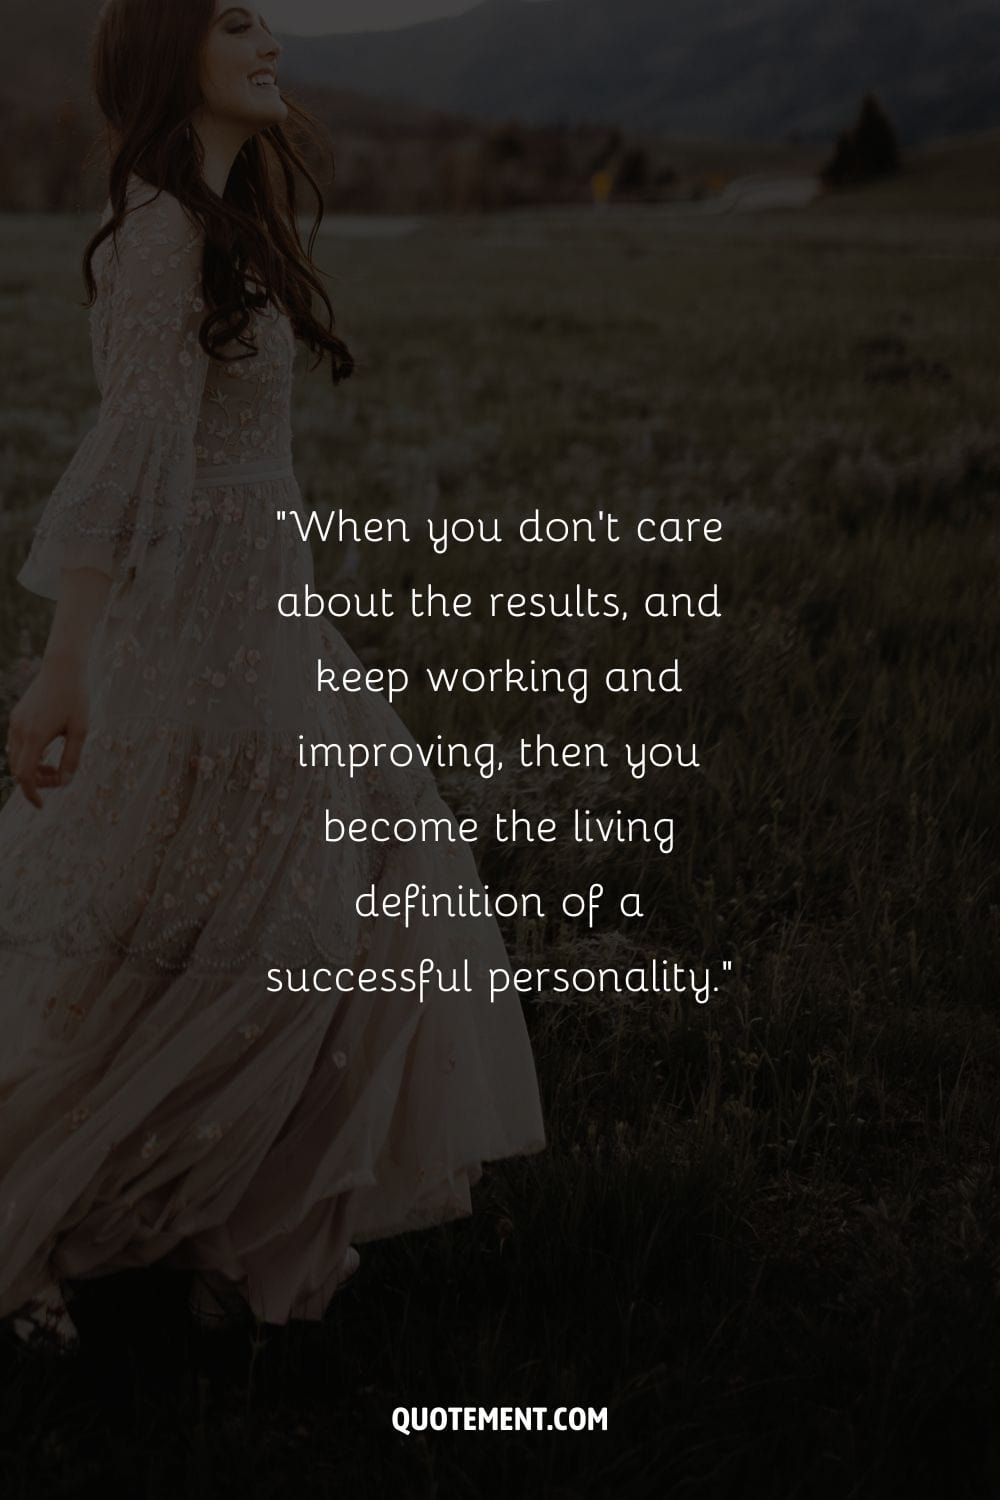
x: 157, y: 1103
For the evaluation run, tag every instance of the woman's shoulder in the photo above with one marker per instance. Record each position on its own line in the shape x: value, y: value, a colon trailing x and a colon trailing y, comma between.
x: 156, y: 239
x: 154, y: 219
x: 158, y: 209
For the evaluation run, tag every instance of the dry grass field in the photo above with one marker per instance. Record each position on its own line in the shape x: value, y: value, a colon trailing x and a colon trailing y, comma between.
x: 766, y: 1232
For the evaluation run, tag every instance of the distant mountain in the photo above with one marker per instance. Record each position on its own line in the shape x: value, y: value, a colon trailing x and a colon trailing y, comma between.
x: 414, y: 113
x: 719, y: 69
x: 728, y: 69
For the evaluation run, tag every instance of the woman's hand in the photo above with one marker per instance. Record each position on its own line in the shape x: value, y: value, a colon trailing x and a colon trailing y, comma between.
x: 56, y: 703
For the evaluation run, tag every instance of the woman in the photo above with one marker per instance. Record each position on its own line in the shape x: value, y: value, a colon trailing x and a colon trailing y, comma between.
x: 160, y: 1099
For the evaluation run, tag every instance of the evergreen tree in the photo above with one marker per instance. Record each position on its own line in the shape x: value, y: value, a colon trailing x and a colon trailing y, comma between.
x: 870, y: 149
x: 875, y: 140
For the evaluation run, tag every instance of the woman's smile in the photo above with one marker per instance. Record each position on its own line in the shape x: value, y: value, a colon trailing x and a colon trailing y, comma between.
x: 240, y: 58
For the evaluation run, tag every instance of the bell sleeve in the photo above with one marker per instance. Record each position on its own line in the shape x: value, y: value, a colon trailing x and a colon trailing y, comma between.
x: 122, y: 503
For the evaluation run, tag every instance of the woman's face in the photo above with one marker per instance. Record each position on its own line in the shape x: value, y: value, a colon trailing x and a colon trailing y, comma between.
x: 238, y: 68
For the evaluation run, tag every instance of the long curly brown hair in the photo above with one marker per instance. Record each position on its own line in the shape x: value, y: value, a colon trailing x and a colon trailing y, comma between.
x: 144, y: 67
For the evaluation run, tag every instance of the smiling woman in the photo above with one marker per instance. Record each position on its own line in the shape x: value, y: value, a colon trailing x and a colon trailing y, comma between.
x: 238, y: 81
x: 157, y: 1102
x: 229, y: 150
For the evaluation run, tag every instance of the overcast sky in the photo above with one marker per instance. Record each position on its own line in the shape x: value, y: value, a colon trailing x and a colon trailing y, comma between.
x: 314, y: 16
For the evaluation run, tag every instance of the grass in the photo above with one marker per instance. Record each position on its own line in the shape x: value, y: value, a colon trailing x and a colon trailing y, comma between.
x: 765, y: 1232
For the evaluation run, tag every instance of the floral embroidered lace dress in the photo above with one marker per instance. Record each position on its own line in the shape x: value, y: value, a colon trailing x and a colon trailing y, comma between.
x: 157, y: 1102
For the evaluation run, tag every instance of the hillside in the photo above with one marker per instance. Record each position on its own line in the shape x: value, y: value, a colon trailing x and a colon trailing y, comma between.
x: 733, y: 69
x: 479, y: 111
x: 729, y: 69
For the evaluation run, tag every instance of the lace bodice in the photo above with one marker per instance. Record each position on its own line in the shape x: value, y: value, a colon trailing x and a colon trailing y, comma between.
x: 191, y: 839
x: 147, y: 356
x: 170, y: 415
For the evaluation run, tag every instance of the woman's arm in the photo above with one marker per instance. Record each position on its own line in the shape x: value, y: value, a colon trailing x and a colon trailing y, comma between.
x: 114, y: 520
x: 121, y: 504
x: 83, y: 596
x: 57, y: 701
